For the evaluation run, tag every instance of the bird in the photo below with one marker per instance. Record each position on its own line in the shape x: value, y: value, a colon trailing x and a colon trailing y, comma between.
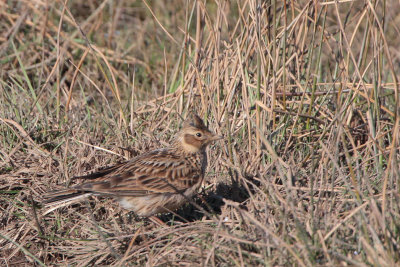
x: 155, y: 182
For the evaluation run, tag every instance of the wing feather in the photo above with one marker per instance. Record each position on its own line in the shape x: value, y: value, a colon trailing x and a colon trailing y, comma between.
x: 159, y: 171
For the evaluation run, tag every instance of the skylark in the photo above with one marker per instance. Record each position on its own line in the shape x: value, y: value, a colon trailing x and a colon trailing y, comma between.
x: 158, y: 181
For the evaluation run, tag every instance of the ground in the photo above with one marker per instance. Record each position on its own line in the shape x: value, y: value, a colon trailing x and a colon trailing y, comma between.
x: 306, y: 96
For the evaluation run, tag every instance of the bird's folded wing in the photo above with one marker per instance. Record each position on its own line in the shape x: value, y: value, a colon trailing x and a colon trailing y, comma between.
x: 158, y: 172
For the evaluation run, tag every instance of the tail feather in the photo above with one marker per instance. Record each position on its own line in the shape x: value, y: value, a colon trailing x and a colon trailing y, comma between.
x: 62, y: 195
x: 57, y: 199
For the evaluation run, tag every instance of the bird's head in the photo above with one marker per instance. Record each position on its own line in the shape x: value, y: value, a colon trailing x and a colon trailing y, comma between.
x: 195, y: 136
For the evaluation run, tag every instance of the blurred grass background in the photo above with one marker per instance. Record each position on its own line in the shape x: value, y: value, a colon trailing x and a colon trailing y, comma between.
x: 305, y: 93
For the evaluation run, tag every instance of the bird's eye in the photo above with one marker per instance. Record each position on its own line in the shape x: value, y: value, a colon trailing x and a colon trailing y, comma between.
x: 198, y: 134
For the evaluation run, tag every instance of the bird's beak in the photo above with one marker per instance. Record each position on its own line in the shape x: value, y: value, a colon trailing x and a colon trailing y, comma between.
x: 216, y: 137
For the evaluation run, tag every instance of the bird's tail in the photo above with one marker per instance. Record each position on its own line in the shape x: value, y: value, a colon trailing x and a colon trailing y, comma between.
x: 61, y: 198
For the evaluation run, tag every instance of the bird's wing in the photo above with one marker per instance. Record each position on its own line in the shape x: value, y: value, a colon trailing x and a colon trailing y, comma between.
x: 159, y: 171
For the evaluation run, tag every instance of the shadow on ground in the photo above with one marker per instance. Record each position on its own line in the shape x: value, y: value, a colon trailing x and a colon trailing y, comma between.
x: 210, y: 201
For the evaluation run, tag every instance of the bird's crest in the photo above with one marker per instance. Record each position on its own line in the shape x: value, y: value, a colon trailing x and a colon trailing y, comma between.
x: 194, y: 121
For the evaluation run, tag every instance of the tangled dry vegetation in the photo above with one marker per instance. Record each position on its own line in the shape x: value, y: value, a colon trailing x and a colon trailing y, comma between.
x: 305, y: 94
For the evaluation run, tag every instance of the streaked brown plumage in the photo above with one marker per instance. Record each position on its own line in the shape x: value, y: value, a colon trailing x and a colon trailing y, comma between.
x: 155, y: 182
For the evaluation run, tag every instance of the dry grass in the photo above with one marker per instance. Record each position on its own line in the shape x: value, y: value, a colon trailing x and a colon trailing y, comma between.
x: 306, y: 95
